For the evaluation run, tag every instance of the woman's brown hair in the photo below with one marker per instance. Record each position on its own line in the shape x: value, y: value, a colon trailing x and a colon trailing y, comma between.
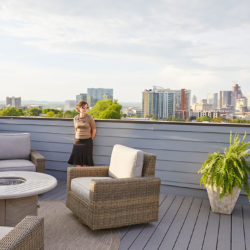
x: 79, y: 105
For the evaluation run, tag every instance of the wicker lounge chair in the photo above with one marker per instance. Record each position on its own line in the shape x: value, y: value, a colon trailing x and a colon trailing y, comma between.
x: 26, y: 235
x: 115, y: 202
x: 16, y: 154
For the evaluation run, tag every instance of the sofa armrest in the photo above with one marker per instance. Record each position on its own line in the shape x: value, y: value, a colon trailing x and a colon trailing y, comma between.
x: 38, y: 160
x: 74, y: 172
x: 124, y: 189
x: 27, y: 234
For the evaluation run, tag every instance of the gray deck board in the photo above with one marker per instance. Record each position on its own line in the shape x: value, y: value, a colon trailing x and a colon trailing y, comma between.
x: 150, y: 228
x: 172, y: 234
x: 187, y: 229
x: 210, y: 241
x: 130, y: 236
x: 184, y: 223
x: 200, y: 227
x: 246, y: 216
x: 224, y: 237
x: 164, y: 225
x: 238, y: 239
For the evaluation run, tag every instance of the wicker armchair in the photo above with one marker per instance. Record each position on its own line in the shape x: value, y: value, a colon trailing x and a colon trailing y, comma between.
x: 26, y: 235
x: 116, y: 202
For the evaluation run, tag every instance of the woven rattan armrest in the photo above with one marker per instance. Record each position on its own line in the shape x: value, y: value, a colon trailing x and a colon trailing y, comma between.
x: 74, y: 172
x: 124, y: 188
x: 27, y: 234
x: 38, y: 160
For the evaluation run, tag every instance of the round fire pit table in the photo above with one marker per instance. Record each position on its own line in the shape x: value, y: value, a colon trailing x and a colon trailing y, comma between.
x: 19, y: 192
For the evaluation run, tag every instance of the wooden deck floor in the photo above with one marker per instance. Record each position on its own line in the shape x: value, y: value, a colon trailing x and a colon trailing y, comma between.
x: 184, y: 223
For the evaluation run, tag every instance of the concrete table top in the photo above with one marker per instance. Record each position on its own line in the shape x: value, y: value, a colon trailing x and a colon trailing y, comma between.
x: 34, y: 184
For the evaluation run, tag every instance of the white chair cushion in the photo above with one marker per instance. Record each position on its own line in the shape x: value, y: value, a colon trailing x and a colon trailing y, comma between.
x: 81, y: 186
x: 125, y: 162
x: 4, y: 231
x: 14, y: 146
x: 17, y: 165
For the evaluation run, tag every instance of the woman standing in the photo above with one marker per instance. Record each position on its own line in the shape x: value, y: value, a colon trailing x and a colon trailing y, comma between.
x: 85, y: 130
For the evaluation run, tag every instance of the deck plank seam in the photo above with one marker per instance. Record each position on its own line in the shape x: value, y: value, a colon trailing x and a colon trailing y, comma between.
x: 159, y: 222
x: 183, y: 223
x: 171, y: 222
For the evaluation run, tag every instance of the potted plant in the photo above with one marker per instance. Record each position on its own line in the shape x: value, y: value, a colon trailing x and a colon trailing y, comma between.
x: 224, y: 174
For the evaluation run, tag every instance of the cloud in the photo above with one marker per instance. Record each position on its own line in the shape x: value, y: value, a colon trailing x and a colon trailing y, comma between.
x: 194, y: 43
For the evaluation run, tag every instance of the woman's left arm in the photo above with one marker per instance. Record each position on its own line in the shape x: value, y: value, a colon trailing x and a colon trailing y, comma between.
x: 93, y: 133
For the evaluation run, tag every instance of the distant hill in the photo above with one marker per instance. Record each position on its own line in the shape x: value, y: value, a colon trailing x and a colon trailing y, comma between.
x: 130, y: 104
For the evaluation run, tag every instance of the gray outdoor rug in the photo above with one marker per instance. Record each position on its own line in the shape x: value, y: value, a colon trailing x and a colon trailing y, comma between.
x: 64, y: 231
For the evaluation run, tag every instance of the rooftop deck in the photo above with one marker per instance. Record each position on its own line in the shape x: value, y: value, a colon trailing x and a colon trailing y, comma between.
x: 184, y: 223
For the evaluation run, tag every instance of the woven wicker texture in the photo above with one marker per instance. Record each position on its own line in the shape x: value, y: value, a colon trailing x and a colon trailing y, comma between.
x: 38, y: 160
x: 26, y: 235
x: 116, y: 202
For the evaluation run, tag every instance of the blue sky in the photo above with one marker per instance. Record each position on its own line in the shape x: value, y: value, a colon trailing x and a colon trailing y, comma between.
x: 53, y: 50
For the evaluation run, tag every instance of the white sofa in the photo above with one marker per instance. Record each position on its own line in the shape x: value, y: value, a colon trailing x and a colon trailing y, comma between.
x: 16, y: 154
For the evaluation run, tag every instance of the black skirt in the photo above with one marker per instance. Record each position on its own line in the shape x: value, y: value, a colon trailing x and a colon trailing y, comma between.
x: 82, y: 152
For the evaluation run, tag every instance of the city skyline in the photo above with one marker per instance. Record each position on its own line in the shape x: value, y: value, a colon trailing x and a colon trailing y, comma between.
x: 52, y: 51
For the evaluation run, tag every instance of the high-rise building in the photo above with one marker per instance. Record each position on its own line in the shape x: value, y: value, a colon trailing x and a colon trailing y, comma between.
x: 13, y: 102
x: 212, y: 99
x: 162, y: 103
x: 69, y: 104
x: 236, y: 94
x: 225, y: 99
x: 81, y: 97
x: 96, y: 94
x: 194, y: 99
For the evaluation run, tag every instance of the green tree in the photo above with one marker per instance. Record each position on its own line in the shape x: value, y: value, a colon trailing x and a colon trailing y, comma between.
x: 50, y: 114
x: 150, y: 116
x: 106, y: 109
x: 55, y: 111
x: 204, y: 119
x: 70, y: 114
x: 220, y: 119
x: 237, y: 120
x: 10, y: 111
x: 33, y: 112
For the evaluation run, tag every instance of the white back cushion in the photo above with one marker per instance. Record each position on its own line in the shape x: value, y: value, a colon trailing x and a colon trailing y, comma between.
x: 14, y: 146
x: 4, y: 231
x: 125, y: 162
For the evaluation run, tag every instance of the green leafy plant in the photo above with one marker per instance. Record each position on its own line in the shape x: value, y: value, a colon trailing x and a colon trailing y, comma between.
x: 229, y: 169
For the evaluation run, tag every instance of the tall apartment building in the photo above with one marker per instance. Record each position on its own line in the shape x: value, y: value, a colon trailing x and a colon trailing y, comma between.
x: 225, y: 99
x: 13, y: 102
x: 81, y: 97
x: 212, y: 99
x: 162, y: 103
x: 96, y: 94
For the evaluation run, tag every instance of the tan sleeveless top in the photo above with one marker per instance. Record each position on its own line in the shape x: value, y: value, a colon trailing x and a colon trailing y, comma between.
x: 83, y: 126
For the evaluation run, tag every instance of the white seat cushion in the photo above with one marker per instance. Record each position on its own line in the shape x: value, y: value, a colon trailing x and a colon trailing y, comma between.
x: 81, y: 185
x: 125, y: 162
x: 14, y: 146
x: 17, y: 165
x: 4, y: 231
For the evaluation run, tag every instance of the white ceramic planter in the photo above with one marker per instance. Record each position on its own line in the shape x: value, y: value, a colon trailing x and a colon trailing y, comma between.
x: 224, y: 205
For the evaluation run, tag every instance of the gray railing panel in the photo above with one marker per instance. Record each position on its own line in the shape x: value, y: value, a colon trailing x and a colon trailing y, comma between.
x: 180, y: 148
